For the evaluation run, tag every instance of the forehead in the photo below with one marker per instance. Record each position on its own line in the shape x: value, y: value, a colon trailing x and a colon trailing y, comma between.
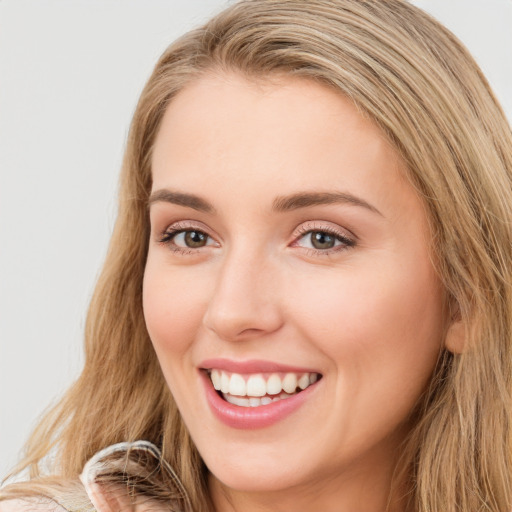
x: 284, y: 136
x: 257, y: 110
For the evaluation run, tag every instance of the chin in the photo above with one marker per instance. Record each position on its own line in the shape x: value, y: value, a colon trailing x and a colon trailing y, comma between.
x: 265, y: 478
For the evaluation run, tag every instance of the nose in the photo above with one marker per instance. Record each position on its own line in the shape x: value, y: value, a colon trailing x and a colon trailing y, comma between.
x: 244, y: 303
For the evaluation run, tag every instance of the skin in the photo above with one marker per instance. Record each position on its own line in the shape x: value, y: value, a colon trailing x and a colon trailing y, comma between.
x: 368, y: 316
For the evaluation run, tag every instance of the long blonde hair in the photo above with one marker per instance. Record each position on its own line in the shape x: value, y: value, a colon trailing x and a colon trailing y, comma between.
x: 413, y: 78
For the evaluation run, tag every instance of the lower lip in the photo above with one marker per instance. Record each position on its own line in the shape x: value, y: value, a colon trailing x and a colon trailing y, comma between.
x: 252, y: 417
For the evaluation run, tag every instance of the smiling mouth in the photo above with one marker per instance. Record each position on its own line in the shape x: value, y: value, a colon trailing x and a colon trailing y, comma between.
x: 259, y: 389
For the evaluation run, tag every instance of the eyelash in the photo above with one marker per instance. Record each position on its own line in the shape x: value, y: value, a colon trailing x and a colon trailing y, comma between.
x: 168, y: 236
x: 310, y: 228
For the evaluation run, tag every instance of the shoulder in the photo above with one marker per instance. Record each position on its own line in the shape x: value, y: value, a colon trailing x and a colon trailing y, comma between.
x: 30, y: 505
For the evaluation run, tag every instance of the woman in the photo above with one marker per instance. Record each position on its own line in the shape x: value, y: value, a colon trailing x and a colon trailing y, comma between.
x: 307, y: 299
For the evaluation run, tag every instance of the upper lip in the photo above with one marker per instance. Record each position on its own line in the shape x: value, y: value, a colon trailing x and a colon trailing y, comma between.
x: 252, y: 366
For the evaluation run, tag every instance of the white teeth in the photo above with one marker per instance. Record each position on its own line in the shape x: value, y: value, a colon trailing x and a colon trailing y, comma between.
x: 303, y: 381
x: 237, y: 400
x: 254, y: 401
x: 224, y: 382
x: 256, y: 386
x: 237, y: 385
x: 215, y: 376
x: 274, y: 385
x: 290, y: 382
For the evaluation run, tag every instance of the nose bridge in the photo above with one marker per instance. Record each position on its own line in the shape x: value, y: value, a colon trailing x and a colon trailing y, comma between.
x: 243, y: 303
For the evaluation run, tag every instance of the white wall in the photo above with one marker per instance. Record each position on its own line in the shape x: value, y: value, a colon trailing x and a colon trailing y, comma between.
x: 70, y: 74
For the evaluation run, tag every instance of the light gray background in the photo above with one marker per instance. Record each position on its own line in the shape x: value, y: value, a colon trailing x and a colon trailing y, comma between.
x: 70, y: 75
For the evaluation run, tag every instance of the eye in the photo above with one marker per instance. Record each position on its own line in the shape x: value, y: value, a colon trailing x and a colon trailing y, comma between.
x: 323, y: 240
x: 180, y: 238
x: 192, y: 239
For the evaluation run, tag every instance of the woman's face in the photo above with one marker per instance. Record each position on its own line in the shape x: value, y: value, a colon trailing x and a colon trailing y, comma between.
x: 288, y: 251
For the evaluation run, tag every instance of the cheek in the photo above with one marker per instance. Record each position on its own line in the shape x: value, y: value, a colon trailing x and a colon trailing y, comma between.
x: 389, y: 303
x: 173, y: 306
x: 381, y: 328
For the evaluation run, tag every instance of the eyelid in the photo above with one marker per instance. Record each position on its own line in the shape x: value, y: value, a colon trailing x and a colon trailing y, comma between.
x: 185, y: 225
x: 347, y: 238
x: 166, y: 236
x: 316, y: 225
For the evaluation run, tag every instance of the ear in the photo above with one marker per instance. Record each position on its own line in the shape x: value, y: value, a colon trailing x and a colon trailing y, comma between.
x: 455, y: 340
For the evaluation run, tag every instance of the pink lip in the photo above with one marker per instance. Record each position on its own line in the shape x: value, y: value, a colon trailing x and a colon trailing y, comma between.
x: 252, y: 417
x: 251, y: 366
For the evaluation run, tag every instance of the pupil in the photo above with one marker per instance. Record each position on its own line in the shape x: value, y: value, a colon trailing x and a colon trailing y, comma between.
x: 195, y: 239
x: 321, y: 240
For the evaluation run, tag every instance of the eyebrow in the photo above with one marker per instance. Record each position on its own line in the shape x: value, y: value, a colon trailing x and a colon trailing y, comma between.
x: 181, y: 199
x: 280, y: 204
x: 307, y: 199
